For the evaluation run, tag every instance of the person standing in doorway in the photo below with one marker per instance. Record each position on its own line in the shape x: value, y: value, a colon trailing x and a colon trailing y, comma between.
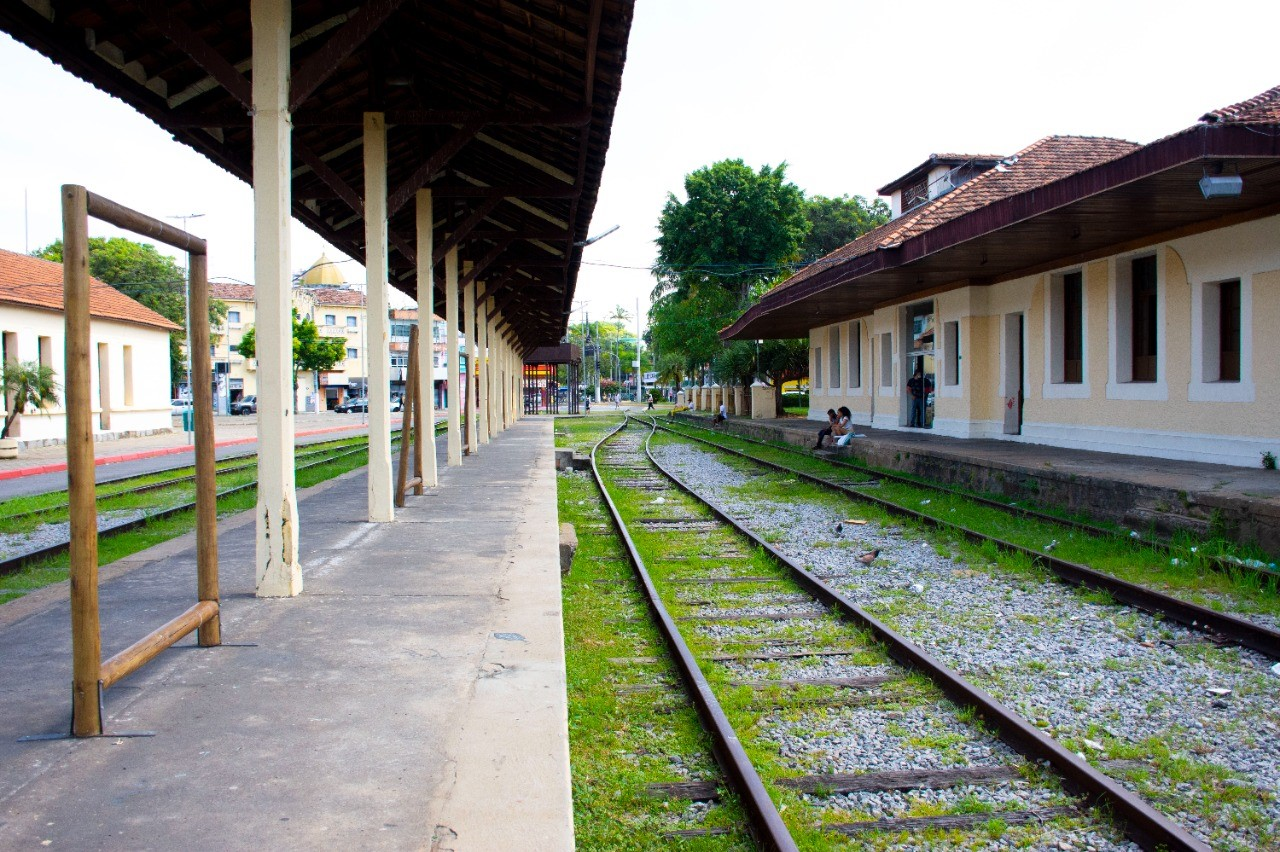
x: 920, y: 387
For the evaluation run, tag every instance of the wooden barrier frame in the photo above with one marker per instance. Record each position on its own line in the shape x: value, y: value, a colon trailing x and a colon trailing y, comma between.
x: 90, y: 674
x: 410, y: 428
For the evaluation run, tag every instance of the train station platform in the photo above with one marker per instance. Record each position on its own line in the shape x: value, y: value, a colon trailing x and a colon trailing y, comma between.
x: 1242, y: 503
x: 412, y: 697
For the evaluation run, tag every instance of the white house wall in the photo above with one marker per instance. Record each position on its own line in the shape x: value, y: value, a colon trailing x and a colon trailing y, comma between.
x: 1184, y: 414
x: 138, y: 401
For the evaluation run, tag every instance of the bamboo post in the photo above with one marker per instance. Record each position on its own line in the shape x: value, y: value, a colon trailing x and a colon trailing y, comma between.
x: 206, y: 481
x: 419, y: 409
x: 86, y: 637
x: 406, y: 419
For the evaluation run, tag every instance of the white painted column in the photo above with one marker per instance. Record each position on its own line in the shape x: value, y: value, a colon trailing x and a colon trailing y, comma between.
x: 425, y: 391
x: 278, y: 573
x: 490, y: 386
x: 484, y: 365
x: 451, y: 320
x: 377, y: 340
x: 469, y: 331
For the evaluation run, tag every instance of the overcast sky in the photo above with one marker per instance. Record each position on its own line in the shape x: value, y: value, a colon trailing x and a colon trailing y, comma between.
x: 850, y: 94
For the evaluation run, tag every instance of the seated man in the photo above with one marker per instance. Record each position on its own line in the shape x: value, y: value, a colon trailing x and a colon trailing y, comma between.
x: 721, y: 416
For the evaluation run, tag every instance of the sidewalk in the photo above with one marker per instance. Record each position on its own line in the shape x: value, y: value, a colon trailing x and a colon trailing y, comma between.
x: 413, y: 697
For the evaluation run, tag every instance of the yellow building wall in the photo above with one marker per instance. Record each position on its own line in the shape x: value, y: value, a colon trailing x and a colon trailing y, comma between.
x: 1212, y: 421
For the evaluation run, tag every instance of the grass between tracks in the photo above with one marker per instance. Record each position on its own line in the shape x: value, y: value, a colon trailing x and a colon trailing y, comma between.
x: 1171, y: 777
x: 1182, y: 572
x: 620, y: 741
x: 114, y: 547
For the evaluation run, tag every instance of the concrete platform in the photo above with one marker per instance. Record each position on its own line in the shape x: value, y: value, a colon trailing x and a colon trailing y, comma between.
x: 413, y: 697
x: 1243, y: 503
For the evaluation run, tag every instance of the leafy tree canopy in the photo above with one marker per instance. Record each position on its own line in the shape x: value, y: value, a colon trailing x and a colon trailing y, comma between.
x: 142, y: 273
x: 312, y: 351
x: 836, y: 222
x: 733, y: 231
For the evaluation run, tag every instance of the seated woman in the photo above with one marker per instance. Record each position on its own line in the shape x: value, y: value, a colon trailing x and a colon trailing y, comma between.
x: 843, y: 430
x: 825, y: 432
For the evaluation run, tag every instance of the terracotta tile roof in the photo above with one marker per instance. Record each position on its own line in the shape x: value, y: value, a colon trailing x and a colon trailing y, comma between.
x: 1041, y: 163
x: 342, y: 296
x: 232, y: 291
x: 1260, y: 109
x: 35, y: 283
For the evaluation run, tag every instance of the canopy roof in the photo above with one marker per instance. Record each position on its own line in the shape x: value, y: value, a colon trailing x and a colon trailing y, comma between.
x: 1061, y: 201
x: 503, y: 107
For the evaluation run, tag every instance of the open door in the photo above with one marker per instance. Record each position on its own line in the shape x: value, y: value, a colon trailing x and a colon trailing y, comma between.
x: 1012, y: 373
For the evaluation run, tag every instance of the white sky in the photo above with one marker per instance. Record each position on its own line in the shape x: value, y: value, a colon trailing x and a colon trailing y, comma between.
x: 850, y: 94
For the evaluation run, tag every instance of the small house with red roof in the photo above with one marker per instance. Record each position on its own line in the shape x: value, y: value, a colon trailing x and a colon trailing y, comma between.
x: 1084, y: 292
x: 130, y: 375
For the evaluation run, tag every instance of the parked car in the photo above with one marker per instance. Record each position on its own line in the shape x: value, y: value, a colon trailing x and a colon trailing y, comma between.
x: 357, y: 403
x: 245, y: 405
x: 179, y: 405
x: 397, y: 403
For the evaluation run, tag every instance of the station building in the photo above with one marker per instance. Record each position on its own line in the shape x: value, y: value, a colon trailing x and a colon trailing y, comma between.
x: 1083, y: 292
x: 130, y: 380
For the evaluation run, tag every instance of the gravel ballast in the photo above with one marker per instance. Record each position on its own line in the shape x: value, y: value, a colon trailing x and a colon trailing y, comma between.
x: 1105, y: 680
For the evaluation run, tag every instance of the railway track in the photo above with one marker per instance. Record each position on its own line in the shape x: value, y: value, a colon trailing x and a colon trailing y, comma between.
x: 335, y: 451
x: 870, y: 476
x: 853, y: 481
x: 754, y: 632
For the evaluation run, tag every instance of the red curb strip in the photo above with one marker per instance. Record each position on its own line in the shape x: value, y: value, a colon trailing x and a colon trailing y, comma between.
x: 165, y: 451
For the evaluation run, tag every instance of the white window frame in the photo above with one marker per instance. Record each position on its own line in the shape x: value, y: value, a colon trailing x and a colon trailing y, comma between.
x: 1204, y: 333
x: 1053, y: 386
x: 1120, y: 331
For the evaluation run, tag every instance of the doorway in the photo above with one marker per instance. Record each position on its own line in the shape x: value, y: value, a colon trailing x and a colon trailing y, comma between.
x: 1012, y: 368
x: 920, y: 365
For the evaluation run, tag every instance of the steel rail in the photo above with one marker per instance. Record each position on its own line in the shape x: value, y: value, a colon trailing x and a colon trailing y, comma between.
x: 765, y: 822
x: 157, y: 486
x: 17, y: 562
x: 1201, y: 619
x: 1217, y: 562
x: 1142, y: 823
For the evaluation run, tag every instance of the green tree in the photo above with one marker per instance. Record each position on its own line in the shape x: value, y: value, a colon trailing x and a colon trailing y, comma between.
x: 29, y: 385
x: 312, y: 351
x: 733, y: 231
x: 144, y: 274
x: 836, y: 222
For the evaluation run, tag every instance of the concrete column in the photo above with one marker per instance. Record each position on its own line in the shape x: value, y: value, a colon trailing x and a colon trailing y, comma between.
x: 451, y: 320
x: 716, y: 397
x: 426, y: 310
x: 483, y: 367
x: 377, y: 340
x: 763, y: 401
x: 469, y: 331
x: 739, y: 400
x: 276, y: 553
x: 680, y: 398
x: 490, y: 384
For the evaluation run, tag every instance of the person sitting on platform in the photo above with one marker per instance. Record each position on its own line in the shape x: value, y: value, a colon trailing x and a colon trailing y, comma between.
x: 721, y: 416
x: 825, y: 432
